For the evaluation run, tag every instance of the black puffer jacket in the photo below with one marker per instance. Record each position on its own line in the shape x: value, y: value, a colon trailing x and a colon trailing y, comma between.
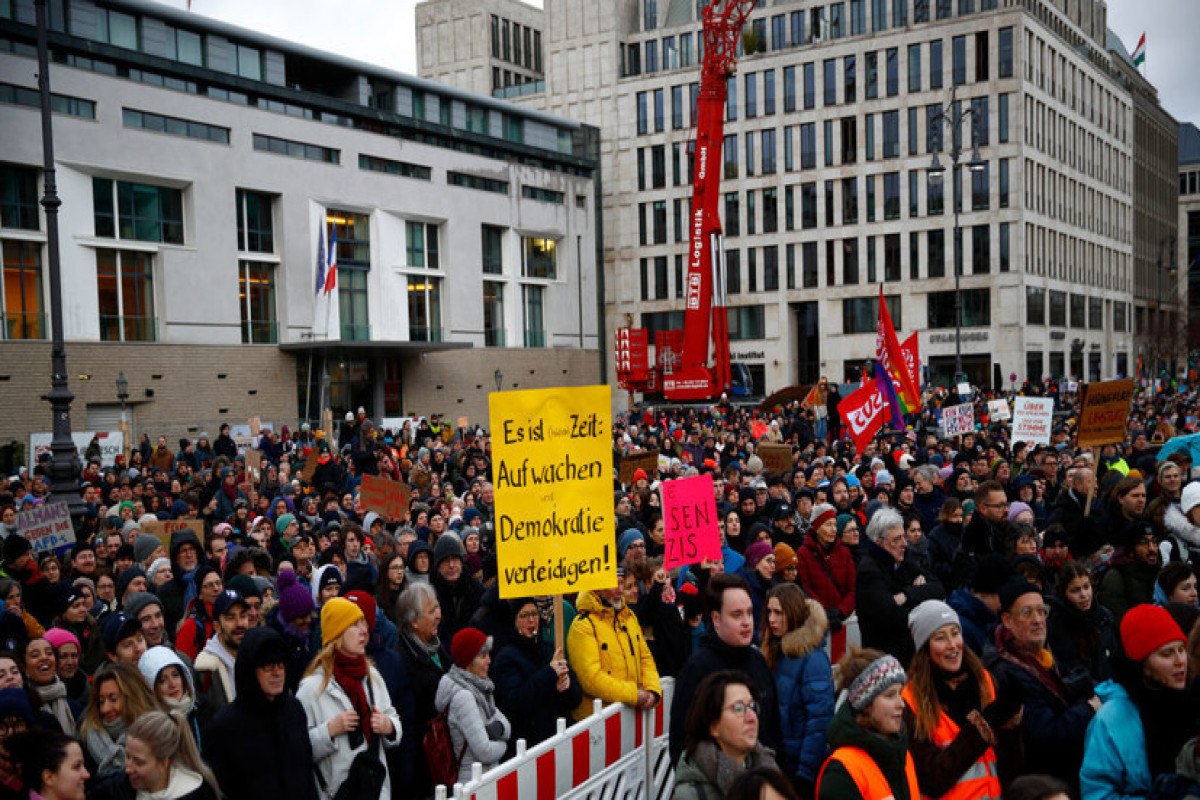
x: 526, y: 690
x: 884, y: 622
x: 424, y: 675
x: 250, y: 740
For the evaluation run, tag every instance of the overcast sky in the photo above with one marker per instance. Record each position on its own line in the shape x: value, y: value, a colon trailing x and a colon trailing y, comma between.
x: 382, y: 32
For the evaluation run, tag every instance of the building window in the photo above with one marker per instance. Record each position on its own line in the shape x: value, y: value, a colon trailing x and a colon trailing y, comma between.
x: 1002, y: 122
x: 808, y: 206
x: 770, y: 210
x: 979, y: 187
x: 1005, y: 253
x: 422, y: 245
x: 391, y: 167
x: 732, y: 214
x: 891, y: 134
x: 424, y: 309
x: 1120, y: 318
x: 860, y: 314
x: 891, y: 195
x: 1035, y: 305
x: 810, y: 84
x: 959, y: 63
x: 831, y: 81
x: 21, y: 291
x: 1078, y: 311
x: 976, y: 308
x: 125, y: 288
x: 1058, y: 309
x: 747, y: 322
x: 733, y: 271
x: 935, y: 64
x: 935, y: 201
x: 981, y: 250
x: 1095, y: 313
x: 850, y: 259
x: 914, y: 68
x: 1033, y: 366
x: 19, y: 198
x: 540, y: 258
x: 476, y: 182
x: 872, y: 75
x: 174, y: 126
x: 850, y: 88
x: 533, y: 302
x: 808, y: 259
x: 13, y: 95
x: 936, y: 255
x: 891, y: 256
x: 353, y: 235
x: 771, y: 268
x: 142, y: 212
x: 892, y: 61
x: 256, y: 284
x: 543, y: 195
x: 255, y: 226
x: 493, y: 314
x: 1005, y: 68
x: 789, y: 89
x: 492, y: 249
x: 294, y: 149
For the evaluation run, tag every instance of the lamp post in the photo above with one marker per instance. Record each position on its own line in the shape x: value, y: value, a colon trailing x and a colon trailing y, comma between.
x: 123, y: 395
x: 953, y: 118
x: 499, y: 378
x: 64, y: 458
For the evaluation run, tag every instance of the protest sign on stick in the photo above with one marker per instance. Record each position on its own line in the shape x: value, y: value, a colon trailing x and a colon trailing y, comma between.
x: 47, y: 526
x: 690, y: 529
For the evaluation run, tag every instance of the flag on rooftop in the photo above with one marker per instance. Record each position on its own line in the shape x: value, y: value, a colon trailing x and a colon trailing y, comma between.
x: 1139, y: 52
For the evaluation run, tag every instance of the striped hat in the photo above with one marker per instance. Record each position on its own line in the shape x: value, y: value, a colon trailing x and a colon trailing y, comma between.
x: 873, y: 681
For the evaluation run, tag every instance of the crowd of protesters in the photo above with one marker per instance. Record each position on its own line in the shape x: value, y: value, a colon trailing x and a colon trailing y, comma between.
x: 1027, y: 615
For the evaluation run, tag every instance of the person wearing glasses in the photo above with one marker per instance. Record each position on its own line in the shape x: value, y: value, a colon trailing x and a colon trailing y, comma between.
x: 1055, y: 718
x: 988, y: 530
x: 721, y: 738
x: 1129, y: 580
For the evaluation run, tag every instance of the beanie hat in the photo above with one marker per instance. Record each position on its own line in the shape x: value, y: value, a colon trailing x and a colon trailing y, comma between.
x: 15, y: 547
x: 884, y: 478
x: 144, y: 547
x: 294, y: 600
x: 1016, y: 508
x: 245, y: 585
x: 57, y: 637
x: 1014, y: 590
x: 369, y: 608
x: 821, y: 514
x: 155, y: 566
x: 757, y: 552
x: 467, y: 644
x: 283, y: 521
x: 83, y: 580
x: 127, y: 577
x: 639, y: 474
x: 448, y: 546
x: 1187, y: 501
x: 138, y: 601
x: 785, y: 557
x: 926, y: 619
x: 881, y: 674
x: 1146, y: 628
x: 14, y: 702
x: 842, y: 521
x: 744, y: 494
x: 337, y: 615
x: 326, y: 576
x: 117, y: 627
x: 626, y: 541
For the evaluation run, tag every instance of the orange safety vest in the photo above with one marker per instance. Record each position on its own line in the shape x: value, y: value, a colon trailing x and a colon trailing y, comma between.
x: 867, y: 776
x: 982, y: 780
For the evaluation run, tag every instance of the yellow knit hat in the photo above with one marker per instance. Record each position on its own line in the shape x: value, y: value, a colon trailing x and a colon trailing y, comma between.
x: 337, y: 615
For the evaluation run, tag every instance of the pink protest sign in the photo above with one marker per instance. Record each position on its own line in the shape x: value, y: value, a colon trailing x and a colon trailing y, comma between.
x: 690, y: 521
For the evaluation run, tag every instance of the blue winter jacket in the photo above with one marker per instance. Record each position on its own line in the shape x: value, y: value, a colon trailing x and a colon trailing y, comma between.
x: 804, y: 684
x: 1114, y: 758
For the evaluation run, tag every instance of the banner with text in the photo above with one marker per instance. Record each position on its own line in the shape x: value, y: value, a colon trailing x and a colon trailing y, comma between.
x: 162, y: 529
x: 957, y: 420
x: 552, y: 470
x: 111, y: 443
x: 1104, y: 412
x: 690, y: 521
x: 385, y: 497
x: 1033, y: 420
x: 998, y: 410
x: 47, y: 527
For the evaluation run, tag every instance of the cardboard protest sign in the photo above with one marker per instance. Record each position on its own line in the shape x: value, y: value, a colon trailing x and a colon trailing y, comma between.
x: 310, y: 467
x: 632, y: 462
x: 163, y: 529
x: 1104, y: 412
x: 47, y: 527
x: 552, y: 470
x: 385, y: 497
x: 957, y: 420
x: 776, y: 458
x: 462, y: 422
x: 254, y: 462
x: 1033, y: 420
x: 998, y: 410
x: 690, y: 521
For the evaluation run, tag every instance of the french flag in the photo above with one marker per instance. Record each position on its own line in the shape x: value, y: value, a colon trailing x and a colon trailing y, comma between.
x: 331, y: 261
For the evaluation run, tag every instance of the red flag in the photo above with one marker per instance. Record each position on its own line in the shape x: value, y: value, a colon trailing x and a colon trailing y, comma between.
x: 910, y: 349
x: 862, y: 411
x: 887, y: 350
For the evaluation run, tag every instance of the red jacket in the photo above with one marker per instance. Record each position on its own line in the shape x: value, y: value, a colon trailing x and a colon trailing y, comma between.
x: 827, y: 577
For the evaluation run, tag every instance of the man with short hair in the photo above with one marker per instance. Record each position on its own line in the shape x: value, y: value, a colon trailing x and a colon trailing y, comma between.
x: 215, y: 664
x: 988, y: 529
x: 728, y: 644
x: 123, y: 639
x: 458, y: 593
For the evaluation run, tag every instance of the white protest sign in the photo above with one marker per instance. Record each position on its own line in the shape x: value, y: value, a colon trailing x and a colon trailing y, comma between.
x: 1033, y: 420
x: 112, y: 444
x: 47, y: 527
x: 957, y: 420
x: 998, y: 410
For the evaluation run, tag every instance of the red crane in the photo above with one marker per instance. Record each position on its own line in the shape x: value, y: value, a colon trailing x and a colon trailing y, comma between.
x: 693, y: 364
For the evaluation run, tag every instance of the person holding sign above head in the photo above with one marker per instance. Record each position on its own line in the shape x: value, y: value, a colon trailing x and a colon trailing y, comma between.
x: 609, y: 653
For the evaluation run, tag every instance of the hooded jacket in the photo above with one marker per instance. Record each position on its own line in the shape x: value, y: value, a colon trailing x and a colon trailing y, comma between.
x: 172, y: 592
x: 610, y: 655
x: 804, y: 683
x: 1183, y: 535
x: 1114, y: 762
x: 889, y: 754
x: 153, y: 662
x: 254, y: 731
x: 526, y: 689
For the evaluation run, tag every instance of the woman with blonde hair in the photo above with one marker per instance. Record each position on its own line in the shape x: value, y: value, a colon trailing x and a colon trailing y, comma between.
x: 119, y: 696
x: 161, y: 760
x: 345, y: 700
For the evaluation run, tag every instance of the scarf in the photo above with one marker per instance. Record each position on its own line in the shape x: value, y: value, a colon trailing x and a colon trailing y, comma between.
x: 720, y: 768
x: 189, y: 586
x: 54, y: 697
x: 482, y: 689
x: 182, y: 706
x: 433, y: 648
x: 349, y: 672
x: 1040, y: 665
x: 107, y: 746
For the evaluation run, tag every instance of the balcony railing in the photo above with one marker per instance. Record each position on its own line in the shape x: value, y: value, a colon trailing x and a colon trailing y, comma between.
x: 260, y: 332
x: 128, y: 329
x: 21, y: 325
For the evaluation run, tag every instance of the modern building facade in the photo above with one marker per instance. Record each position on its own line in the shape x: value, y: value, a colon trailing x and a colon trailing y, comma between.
x: 1188, y: 251
x: 493, y: 48
x: 204, y: 170
x: 833, y: 121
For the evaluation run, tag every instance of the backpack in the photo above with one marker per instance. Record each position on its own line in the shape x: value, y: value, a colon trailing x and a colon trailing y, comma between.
x: 439, y: 751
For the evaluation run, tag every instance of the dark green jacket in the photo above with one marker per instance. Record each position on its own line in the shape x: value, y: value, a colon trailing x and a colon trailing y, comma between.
x: 888, y: 753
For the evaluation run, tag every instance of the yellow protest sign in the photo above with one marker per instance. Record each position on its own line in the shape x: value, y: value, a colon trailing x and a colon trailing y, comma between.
x: 552, y: 471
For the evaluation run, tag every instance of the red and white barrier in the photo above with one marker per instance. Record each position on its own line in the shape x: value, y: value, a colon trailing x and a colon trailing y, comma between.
x: 615, y: 751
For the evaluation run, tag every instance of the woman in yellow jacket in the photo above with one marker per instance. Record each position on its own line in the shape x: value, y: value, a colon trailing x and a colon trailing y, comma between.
x: 962, y: 736
x: 608, y: 653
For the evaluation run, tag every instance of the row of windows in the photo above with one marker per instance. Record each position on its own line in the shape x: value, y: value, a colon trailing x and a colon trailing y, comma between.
x: 1075, y: 145
x: 294, y: 149
x: 794, y: 29
x: 174, y: 126
x: 1189, y: 182
x: 1077, y: 203
x: 1067, y: 309
x: 1052, y: 253
x: 13, y: 95
x: 516, y: 43
x: 1074, y: 87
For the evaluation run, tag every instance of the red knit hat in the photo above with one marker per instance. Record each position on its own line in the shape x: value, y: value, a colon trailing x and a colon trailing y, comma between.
x: 368, y: 606
x: 467, y: 644
x: 1146, y: 628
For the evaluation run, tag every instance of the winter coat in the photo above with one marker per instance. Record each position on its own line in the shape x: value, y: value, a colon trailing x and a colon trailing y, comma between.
x: 977, y: 621
x: 708, y: 773
x: 671, y: 644
x: 183, y: 784
x: 758, y: 596
x: 299, y: 652
x: 928, y: 506
x: 172, y: 592
x: 462, y: 699
x: 890, y: 755
x: 1114, y: 757
x: 1125, y: 586
x: 711, y: 656
x: 459, y: 601
x: 424, y: 675
x: 828, y: 577
x: 804, y: 685
x: 322, y: 701
x: 609, y: 655
x: 1181, y: 535
x: 883, y: 622
x: 946, y: 556
x: 1083, y: 644
x: 527, y: 693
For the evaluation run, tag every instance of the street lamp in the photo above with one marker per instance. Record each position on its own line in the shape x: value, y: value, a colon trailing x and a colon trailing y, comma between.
x: 953, y: 118
x: 123, y: 395
x: 499, y: 378
x: 64, y: 458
